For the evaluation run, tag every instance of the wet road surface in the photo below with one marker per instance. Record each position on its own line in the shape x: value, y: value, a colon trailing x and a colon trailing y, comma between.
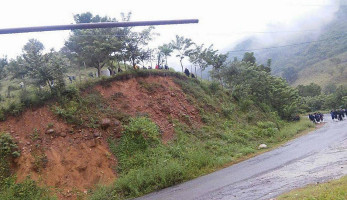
x: 316, y: 157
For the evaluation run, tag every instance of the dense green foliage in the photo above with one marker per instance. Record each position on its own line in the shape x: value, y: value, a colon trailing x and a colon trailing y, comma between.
x: 335, y: 100
x: 42, y: 69
x: 3, y: 63
x: 101, y: 47
x: 309, y: 90
x: 253, y: 84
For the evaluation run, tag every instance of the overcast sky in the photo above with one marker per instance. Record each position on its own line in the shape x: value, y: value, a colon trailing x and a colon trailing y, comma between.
x: 222, y: 22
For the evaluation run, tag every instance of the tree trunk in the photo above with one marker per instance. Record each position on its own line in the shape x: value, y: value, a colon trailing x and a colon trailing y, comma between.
x: 201, y: 72
x: 126, y: 68
x: 99, y: 71
x: 49, y: 85
x: 181, y: 65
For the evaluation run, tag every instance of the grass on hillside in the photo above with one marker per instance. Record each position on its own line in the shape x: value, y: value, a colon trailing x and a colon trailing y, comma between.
x: 332, y: 190
x: 231, y: 131
x: 325, y: 72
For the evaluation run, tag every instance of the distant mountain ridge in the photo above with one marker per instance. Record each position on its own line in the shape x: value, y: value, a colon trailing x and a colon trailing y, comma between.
x: 319, y: 58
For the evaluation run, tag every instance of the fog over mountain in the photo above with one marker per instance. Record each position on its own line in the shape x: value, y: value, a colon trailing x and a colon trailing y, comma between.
x: 306, y: 41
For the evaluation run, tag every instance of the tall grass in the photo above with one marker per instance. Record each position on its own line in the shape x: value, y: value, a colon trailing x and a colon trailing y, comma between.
x: 332, y: 190
x: 145, y: 166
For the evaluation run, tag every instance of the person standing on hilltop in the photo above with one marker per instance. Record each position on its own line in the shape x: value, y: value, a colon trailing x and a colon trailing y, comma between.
x: 186, y: 71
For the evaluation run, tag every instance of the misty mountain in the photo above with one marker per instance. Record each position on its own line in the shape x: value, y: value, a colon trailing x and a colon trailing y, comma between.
x: 312, y: 53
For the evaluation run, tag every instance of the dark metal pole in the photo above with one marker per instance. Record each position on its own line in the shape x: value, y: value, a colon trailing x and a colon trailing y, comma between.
x: 95, y: 25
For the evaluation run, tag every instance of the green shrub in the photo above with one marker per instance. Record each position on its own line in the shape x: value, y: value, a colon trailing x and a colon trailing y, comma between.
x: 8, y: 151
x: 27, y: 190
x: 15, y: 108
x: 227, y: 110
x: 2, y: 114
x: 143, y: 126
x: 140, y: 134
x: 68, y: 112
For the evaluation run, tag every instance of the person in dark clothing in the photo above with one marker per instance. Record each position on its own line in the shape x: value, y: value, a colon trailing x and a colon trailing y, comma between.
x: 166, y: 67
x: 311, y: 117
x: 186, y: 71
x: 335, y: 114
x: 317, y: 117
x: 296, y: 118
x: 193, y: 76
x: 111, y: 71
x: 70, y: 79
x: 321, y: 117
x: 332, y: 115
x: 340, y: 115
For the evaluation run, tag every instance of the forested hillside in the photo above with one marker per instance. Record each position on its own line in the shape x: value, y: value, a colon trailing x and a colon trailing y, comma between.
x: 317, y: 56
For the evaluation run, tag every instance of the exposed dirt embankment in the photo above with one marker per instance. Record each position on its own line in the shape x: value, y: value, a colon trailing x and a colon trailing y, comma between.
x: 67, y: 157
x: 158, y: 97
x: 57, y: 154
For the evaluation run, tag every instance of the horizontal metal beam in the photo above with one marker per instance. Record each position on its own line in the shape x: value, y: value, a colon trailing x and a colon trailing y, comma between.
x: 95, y: 25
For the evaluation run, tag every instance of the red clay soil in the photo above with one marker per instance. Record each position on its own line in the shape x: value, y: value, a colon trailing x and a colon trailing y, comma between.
x: 75, y: 159
x: 158, y: 97
x: 68, y: 158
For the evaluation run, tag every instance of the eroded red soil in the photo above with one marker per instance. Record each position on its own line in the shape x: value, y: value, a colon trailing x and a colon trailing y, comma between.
x: 67, y: 159
x: 159, y: 97
x: 70, y: 158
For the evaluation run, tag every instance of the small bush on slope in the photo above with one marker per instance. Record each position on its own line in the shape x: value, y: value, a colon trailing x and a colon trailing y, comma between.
x: 26, y: 190
x: 9, y: 189
x: 8, y: 151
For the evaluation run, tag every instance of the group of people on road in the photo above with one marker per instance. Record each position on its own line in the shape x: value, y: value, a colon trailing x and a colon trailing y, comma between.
x: 316, y: 117
x: 338, y: 115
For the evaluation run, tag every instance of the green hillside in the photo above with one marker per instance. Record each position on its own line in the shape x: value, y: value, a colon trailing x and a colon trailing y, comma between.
x: 331, y: 70
x: 320, y: 59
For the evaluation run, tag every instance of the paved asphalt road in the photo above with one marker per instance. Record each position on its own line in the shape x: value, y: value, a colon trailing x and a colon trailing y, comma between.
x: 318, y: 156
